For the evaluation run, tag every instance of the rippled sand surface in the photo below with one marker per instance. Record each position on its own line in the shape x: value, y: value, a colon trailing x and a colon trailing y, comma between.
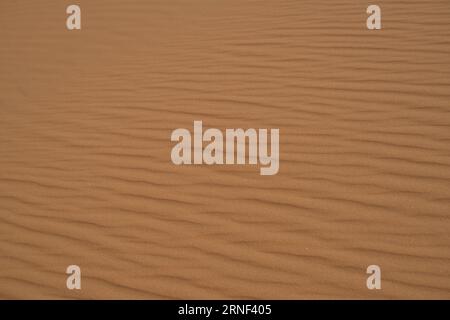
x: 85, y: 170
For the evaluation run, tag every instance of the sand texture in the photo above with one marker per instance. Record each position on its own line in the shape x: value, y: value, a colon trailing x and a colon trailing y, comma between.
x: 86, y: 176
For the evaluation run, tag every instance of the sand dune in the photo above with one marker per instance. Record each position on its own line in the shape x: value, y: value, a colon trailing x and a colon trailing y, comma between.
x: 85, y: 170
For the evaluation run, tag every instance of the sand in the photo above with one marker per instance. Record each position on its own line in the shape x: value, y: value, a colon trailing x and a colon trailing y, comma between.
x: 85, y: 170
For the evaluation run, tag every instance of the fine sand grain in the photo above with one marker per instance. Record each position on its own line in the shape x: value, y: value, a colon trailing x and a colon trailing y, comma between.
x: 85, y: 170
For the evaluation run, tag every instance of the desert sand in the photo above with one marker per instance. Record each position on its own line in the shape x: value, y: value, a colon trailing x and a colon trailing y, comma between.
x: 85, y: 170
